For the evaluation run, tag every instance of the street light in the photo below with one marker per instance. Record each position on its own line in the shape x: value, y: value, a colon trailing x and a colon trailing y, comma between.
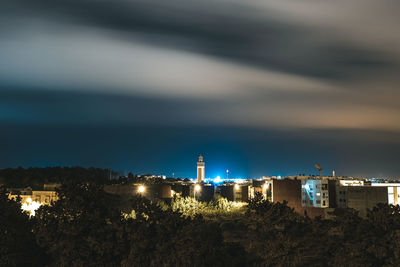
x: 196, y: 189
x: 237, y: 187
x: 141, y: 189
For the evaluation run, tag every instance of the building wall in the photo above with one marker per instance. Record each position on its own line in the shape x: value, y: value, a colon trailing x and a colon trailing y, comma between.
x: 290, y: 190
x: 226, y: 191
x: 151, y: 191
x: 361, y: 198
x: 393, y: 195
x: 206, y: 192
x: 393, y: 190
x: 315, y: 193
x: 44, y: 197
x: 181, y: 189
x: 40, y: 196
x: 242, y: 194
x: 332, y: 193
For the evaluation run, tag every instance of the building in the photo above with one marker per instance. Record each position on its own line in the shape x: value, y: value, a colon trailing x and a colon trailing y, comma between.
x: 315, y: 193
x: 291, y: 191
x: 202, y: 192
x: 200, y: 170
x: 31, y: 200
x: 360, y: 198
x: 152, y: 192
x: 314, y: 196
x: 233, y: 192
x: 393, y: 192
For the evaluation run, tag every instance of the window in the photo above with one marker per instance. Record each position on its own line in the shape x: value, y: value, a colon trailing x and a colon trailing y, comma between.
x: 323, y: 203
x: 391, y: 199
x: 325, y: 187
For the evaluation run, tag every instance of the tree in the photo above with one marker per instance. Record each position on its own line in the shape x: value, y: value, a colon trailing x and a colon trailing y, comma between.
x: 163, y: 237
x: 17, y: 243
x: 82, y: 228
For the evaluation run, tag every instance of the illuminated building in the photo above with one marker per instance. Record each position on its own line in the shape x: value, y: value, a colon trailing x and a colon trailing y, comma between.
x: 233, y: 192
x: 31, y: 200
x: 393, y: 192
x: 152, y: 192
x: 314, y: 193
x: 314, y: 196
x: 290, y: 191
x: 200, y: 170
x: 202, y: 192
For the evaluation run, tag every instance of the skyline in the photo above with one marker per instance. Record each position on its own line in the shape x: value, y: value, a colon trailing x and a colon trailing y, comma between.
x: 259, y: 88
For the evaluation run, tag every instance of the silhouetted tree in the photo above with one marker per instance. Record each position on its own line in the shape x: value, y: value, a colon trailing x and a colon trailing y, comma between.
x: 17, y: 243
x: 82, y: 228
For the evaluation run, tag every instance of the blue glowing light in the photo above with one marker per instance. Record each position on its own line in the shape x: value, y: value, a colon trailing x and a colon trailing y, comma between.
x: 218, y: 180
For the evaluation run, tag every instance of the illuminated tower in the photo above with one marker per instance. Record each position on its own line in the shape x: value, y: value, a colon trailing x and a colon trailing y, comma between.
x: 200, y: 170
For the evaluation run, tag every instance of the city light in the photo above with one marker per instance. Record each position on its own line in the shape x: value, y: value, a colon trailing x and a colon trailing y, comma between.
x: 141, y: 189
x: 30, y: 206
x: 196, y: 189
x: 265, y: 186
x: 237, y: 187
x: 218, y: 180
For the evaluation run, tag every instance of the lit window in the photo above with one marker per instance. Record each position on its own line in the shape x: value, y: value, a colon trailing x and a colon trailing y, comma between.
x: 391, y: 199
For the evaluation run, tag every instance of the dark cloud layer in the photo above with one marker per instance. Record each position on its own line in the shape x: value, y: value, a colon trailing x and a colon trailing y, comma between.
x: 231, y: 31
x: 273, y: 85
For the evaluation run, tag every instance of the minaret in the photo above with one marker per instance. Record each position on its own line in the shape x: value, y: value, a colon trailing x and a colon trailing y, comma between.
x: 200, y: 169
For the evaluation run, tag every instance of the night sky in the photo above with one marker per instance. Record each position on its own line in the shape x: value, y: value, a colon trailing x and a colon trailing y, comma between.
x: 259, y: 87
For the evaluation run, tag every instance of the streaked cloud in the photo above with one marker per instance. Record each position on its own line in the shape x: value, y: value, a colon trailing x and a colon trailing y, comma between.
x: 283, y: 64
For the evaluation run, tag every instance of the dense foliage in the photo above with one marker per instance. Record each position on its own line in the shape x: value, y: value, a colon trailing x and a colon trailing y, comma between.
x: 217, y: 208
x: 86, y: 227
x: 17, y: 242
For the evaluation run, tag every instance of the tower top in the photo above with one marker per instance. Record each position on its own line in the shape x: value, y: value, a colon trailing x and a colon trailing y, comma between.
x: 200, y: 158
